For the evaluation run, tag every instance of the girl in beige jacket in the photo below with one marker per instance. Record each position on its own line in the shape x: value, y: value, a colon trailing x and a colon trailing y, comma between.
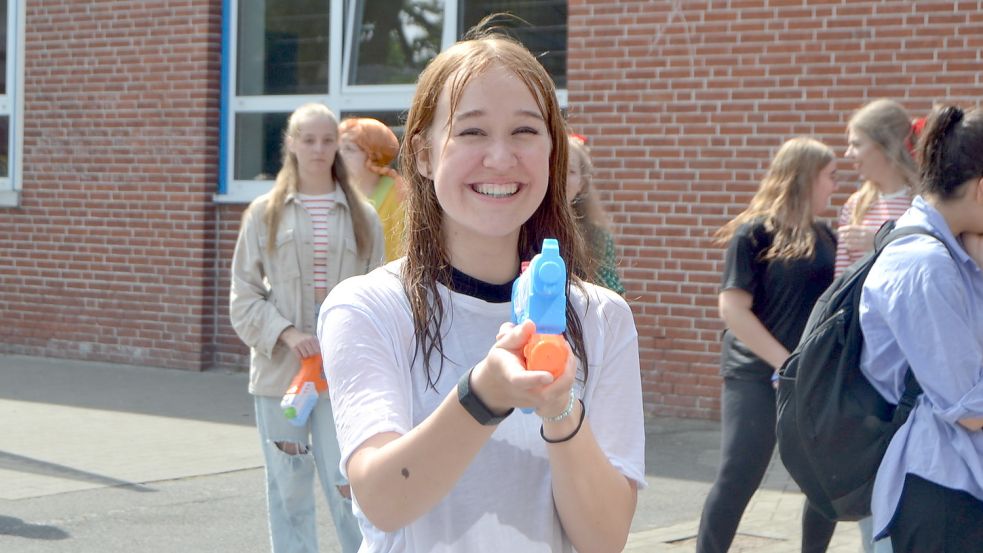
x: 311, y: 231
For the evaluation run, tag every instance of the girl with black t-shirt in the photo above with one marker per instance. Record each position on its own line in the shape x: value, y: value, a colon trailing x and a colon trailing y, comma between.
x: 779, y: 260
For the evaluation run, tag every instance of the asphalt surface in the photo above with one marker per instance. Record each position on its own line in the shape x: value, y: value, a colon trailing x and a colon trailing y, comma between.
x: 99, y: 458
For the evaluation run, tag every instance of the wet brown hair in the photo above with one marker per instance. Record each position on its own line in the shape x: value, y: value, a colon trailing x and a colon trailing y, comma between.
x: 427, y: 262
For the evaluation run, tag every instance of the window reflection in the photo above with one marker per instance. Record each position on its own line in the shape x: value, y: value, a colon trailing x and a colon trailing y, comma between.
x: 282, y: 47
x: 3, y: 57
x: 545, y: 36
x: 4, y: 146
x: 258, y: 140
x: 391, y: 42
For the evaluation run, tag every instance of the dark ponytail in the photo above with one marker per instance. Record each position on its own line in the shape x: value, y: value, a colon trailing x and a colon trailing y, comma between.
x: 951, y: 151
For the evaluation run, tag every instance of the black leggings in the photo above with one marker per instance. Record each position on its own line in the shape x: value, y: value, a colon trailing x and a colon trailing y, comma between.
x: 747, y: 442
x: 934, y: 519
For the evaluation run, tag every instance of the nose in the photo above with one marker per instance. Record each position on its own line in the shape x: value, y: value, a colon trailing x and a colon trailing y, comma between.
x: 500, y: 155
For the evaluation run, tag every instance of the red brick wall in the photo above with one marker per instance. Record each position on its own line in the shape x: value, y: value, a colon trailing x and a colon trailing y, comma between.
x: 685, y: 101
x: 110, y: 255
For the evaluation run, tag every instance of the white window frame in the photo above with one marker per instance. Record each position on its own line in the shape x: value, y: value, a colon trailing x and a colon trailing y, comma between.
x: 340, y: 96
x: 12, y: 104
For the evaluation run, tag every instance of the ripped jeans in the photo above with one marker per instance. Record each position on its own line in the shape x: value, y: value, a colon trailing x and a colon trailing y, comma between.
x: 291, y: 455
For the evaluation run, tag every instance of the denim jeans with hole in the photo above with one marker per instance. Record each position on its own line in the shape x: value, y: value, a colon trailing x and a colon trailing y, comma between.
x: 290, y: 478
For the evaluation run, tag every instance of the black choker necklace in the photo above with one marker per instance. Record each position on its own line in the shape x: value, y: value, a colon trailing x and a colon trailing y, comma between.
x: 470, y: 286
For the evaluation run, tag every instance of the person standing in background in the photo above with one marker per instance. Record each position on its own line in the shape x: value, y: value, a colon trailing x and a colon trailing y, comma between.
x: 779, y: 260
x: 922, y: 309
x: 590, y: 215
x: 368, y: 147
x: 311, y: 231
x: 880, y: 141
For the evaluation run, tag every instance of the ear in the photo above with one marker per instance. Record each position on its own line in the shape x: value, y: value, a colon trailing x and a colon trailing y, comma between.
x: 979, y: 190
x: 421, y: 154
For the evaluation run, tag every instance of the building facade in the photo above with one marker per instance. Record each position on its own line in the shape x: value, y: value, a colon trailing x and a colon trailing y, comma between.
x: 134, y: 132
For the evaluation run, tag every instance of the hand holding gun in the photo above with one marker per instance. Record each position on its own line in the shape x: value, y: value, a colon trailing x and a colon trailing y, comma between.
x: 301, y: 396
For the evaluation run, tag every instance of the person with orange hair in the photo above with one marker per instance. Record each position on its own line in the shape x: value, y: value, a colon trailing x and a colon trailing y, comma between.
x: 368, y: 147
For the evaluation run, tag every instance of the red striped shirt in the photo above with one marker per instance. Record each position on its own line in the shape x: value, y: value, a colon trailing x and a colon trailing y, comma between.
x: 882, y: 209
x: 321, y: 208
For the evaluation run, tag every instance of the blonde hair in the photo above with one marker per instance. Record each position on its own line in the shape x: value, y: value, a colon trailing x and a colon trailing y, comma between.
x: 784, y: 200
x: 887, y: 125
x: 288, y: 176
x: 586, y: 205
x: 427, y: 262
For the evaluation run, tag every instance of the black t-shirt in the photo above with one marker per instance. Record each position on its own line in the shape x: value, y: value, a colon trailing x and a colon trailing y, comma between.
x: 783, y: 292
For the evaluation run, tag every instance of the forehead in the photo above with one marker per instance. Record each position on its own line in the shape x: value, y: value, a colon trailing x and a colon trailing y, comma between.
x: 317, y: 124
x: 496, y: 90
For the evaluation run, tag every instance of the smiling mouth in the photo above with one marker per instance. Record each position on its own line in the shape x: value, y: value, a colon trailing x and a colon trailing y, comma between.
x: 496, y: 190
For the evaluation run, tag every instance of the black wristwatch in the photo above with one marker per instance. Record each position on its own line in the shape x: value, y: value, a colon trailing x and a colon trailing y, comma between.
x: 473, y: 404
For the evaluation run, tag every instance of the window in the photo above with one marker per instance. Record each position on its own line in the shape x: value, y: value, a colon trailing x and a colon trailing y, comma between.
x: 11, y: 105
x: 359, y: 57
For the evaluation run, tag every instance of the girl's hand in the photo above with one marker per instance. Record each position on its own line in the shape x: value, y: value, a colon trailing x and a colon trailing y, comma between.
x: 973, y: 243
x: 502, y: 382
x: 857, y: 238
x: 303, y: 345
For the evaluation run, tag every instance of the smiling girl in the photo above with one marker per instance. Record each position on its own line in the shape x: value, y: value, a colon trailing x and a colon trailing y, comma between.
x: 425, y: 371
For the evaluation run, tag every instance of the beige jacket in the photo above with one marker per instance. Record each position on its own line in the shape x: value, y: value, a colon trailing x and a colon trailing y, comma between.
x: 272, y: 291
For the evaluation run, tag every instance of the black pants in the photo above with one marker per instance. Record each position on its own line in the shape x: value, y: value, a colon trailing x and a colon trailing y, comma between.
x: 934, y: 519
x: 747, y: 442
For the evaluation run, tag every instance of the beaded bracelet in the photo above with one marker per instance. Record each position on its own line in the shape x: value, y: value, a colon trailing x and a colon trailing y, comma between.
x: 566, y: 411
x: 583, y: 412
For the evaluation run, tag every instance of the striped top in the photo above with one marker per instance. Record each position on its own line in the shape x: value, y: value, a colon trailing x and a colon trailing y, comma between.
x: 321, y: 208
x: 884, y: 208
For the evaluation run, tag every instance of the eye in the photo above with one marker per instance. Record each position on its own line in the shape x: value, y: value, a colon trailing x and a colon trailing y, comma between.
x: 471, y: 131
x: 525, y: 130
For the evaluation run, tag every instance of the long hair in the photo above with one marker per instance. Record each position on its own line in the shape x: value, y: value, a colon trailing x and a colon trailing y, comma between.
x: 288, y: 176
x: 887, y: 125
x: 784, y: 200
x: 427, y: 261
x: 951, y: 150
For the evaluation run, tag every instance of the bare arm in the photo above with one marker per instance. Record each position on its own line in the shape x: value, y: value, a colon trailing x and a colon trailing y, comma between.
x: 595, y: 501
x: 398, y: 478
x: 735, y: 310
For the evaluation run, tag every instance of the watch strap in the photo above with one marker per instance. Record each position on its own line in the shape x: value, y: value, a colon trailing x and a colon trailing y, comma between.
x: 473, y: 404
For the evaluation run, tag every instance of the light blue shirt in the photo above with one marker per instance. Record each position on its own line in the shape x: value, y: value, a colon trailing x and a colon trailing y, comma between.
x: 921, y: 307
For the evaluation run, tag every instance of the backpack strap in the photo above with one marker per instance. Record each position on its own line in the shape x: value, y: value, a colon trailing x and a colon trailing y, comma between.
x: 885, y: 235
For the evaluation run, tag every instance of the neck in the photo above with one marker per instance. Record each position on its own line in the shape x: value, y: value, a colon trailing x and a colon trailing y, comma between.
x: 893, y: 182
x: 491, y: 260
x: 956, y: 216
x: 366, y: 181
x: 315, y: 184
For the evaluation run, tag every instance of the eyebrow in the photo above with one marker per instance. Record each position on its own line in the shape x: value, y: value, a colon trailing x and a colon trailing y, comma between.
x: 480, y: 112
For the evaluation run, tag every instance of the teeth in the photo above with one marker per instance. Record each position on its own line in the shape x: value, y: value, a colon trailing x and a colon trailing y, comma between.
x: 496, y: 190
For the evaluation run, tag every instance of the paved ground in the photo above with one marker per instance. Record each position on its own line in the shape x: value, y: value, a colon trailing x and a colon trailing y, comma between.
x: 97, y: 457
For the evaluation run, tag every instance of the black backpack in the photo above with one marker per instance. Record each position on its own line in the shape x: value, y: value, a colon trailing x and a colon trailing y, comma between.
x: 833, y: 426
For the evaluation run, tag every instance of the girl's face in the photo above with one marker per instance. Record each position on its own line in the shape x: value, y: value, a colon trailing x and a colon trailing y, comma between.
x: 352, y: 155
x: 823, y: 188
x: 489, y: 160
x: 868, y: 158
x: 315, y: 144
x: 575, y: 175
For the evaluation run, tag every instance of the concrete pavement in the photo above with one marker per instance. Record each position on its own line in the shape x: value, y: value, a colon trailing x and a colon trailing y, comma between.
x: 71, y: 428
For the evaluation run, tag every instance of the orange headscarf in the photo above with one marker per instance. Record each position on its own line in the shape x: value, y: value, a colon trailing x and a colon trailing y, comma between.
x: 375, y: 139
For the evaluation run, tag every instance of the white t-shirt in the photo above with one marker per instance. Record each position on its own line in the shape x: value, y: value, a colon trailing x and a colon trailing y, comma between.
x: 503, y: 502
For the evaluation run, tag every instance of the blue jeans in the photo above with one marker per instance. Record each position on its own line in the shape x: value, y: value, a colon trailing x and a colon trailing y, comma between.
x: 290, y: 477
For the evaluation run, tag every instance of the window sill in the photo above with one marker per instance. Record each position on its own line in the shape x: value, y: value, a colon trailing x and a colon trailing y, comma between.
x: 9, y: 198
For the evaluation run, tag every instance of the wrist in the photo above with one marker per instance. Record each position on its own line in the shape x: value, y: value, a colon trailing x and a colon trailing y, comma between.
x: 480, y: 389
x: 561, y: 415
